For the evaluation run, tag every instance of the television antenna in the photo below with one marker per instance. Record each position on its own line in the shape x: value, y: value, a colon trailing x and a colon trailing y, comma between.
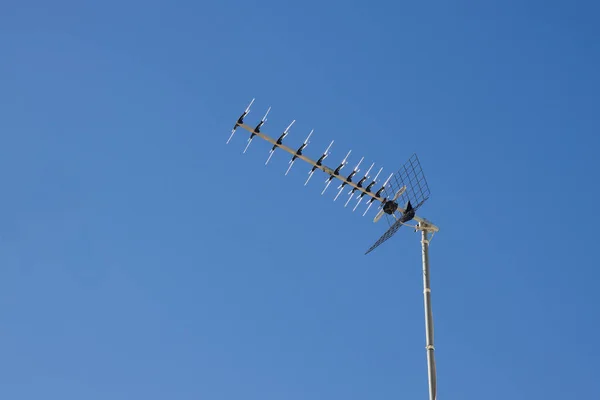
x: 407, y: 187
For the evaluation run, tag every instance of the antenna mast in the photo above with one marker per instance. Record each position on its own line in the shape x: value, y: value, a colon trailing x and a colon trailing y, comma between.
x: 408, y: 188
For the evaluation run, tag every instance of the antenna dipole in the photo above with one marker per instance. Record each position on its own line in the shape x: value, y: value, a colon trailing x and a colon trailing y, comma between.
x: 408, y: 186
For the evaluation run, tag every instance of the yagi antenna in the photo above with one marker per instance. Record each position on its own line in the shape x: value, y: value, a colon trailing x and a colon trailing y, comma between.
x: 399, y: 198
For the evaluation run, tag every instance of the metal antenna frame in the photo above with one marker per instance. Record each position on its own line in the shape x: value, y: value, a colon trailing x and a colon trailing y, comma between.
x: 409, y: 184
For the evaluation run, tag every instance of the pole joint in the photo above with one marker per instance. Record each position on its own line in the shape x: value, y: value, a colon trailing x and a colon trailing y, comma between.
x: 427, y: 227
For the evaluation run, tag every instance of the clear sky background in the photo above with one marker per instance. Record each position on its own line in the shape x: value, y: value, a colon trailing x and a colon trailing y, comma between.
x: 142, y: 258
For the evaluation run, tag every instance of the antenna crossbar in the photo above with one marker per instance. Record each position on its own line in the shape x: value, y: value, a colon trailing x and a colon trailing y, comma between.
x: 327, y: 170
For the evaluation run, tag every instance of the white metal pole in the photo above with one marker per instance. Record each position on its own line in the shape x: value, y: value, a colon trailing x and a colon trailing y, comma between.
x: 428, y: 314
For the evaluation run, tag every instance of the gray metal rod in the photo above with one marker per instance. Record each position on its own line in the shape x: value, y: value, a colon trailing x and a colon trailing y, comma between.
x: 428, y: 316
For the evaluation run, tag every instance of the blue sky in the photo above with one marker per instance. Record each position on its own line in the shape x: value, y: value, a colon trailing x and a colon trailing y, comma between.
x: 141, y: 257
